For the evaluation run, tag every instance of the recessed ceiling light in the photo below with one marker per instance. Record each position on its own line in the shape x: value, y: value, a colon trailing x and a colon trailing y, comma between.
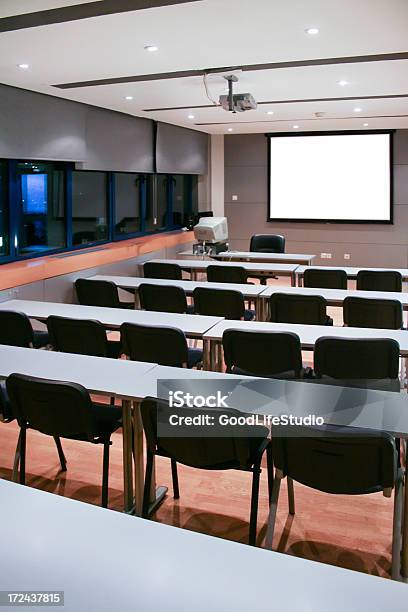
x: 128, y: 97
x: 357, y: 109
x: 191, y: 116
x: 295, y: 127
x: 230, y: 130
x: 312, y: 31
x: 24, y: 66
x: 151, y: 48
x: 270, y: 112
x: 342, y: 82
x: 365, y: 124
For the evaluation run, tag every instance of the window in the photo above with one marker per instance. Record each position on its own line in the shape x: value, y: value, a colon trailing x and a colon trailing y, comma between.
x: 4, y: 240
x: 41, y: 211
x: 89, y: 207
x: 128, y: 189
x: 184, y: 197
x: 157, y: 198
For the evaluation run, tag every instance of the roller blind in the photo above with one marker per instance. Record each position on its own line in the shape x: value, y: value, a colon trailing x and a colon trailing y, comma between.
x: 180, y: 150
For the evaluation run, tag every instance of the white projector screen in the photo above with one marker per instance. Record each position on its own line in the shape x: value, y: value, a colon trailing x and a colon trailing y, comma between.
x: 331, y: 177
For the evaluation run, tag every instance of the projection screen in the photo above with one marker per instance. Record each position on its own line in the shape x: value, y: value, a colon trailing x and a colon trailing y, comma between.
x: 333, y: 177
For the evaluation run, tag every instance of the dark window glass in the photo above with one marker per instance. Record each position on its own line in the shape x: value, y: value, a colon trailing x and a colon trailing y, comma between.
x: 41, y: 189
x: 4, y: 237
x: 157, y: 198
x: 128, y: 193
x: 89, y: 207
x: 180, y: 198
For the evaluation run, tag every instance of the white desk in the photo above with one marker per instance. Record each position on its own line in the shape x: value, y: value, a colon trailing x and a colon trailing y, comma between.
x: 251, y: 292
x: 290, y: 258
x: 350, y: 271
x: 112, y: 318
x: 259, y: 269
x: 109, y: 377
x: 68, y: 545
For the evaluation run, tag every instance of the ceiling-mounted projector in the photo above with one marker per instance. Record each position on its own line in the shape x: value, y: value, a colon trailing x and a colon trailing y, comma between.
x: 237, y: 103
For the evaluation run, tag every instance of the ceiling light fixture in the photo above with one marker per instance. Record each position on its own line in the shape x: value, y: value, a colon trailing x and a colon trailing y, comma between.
x: 343, y: 83
x: 270, y: 113
x: 357, y: 109
x: 191, y: 116
x: 312, y: 31
x: 128, y: 97
x: 151, y: 48
x: 365, y: 124
x: 230, y: 129
x: 295, y: 127
x: 24, y: 66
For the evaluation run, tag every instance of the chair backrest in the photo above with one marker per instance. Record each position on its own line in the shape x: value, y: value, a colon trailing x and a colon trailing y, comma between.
x: 335, y: 460
x: 170, y: 271
x: 325, y: 279
x: 356, y: 358
x: 53, y: 407
x: 229, y: 451
x: 296, y: 308
x: 379, y: 280
x: 5, y: 407
x: 262, y: 353
x: 162, y: 345
x: 364, y: 312
x: 227, y: 274
x: 97, y: 293
x: 82, y: 337
x: 225, y: 303
x: 267, y: 243
x: 15, y: 329
x: 162, y: 298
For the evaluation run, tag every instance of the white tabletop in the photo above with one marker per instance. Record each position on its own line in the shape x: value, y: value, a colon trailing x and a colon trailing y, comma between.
x: 335, y: 297
x: 266, y: 257
x: 202, y: 264
x: 308, y: 334
x: 161, y: 568
x: 130, y: 282
x: 97, y: 374
x: 352, y: 272
x: 191, y: 325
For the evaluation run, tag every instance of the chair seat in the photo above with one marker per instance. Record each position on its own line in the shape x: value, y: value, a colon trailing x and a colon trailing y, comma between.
x: 107, y: 419
x: 195, y: 356
x: 249, y: 315
x: 40, y: 339
x: 114, y: 349
x: 127, y: 305
x: 190, y: 309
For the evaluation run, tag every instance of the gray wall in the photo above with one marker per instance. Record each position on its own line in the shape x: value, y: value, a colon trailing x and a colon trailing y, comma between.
x: 246, y: 175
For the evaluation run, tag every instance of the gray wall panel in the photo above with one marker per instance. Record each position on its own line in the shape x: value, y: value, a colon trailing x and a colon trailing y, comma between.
x: 35, y: 126
x: 180, y: 150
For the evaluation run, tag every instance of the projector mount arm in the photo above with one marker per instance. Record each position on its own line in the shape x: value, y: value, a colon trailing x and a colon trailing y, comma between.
x: 231, y: 80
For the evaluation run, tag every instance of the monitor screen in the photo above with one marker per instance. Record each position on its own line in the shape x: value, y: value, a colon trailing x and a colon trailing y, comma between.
x: 34, y: 194
x: 331, y: 177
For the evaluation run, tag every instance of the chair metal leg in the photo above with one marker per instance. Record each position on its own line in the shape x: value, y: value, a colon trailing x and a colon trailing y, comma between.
x: 105, y: 474
x: 269, y: 462
x: 23, y: 444
x: 147, y: 484
x: 253, y: 521
x: 14, y: 475
x: 291, y: 496
x: 396, y: 530
x: 174, y: 475
x: 273, y: 509
x: 61, y: 455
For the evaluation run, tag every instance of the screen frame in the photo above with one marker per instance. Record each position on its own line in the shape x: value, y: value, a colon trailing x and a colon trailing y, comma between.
x: 391, y: 133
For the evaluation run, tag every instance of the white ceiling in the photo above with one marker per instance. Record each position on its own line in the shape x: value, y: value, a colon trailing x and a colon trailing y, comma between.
x: 216, y: 33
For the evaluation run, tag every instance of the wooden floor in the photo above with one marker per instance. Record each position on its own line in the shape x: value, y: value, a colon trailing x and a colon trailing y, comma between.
x: 351, y: 532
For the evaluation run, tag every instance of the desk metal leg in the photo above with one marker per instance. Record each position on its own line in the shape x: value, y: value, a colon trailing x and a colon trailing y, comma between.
x: 137, y: 300
x: 127, y: 455
x: 206, y: 354
x: 293, y: 279
x: 157, y: 493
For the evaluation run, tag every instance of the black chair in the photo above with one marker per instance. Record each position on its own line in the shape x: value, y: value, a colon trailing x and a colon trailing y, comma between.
x: 338, y: 461
x: 169, y: 271
x: 266, y: 354
x: 231, y: 451
x: 163, y: 298
x: 16, y: 330
x: 296, y: 308
x: 82, y: 337
x: 379, y: 280
x: 227, y: 274
x: 364, y: 312
x: 61, y: 410
x: 372, y: 362
x: 99, y: 293
x: 225, y: 303
x: 165, y: 346
x: 267, y: 243
x: 325, y: 279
